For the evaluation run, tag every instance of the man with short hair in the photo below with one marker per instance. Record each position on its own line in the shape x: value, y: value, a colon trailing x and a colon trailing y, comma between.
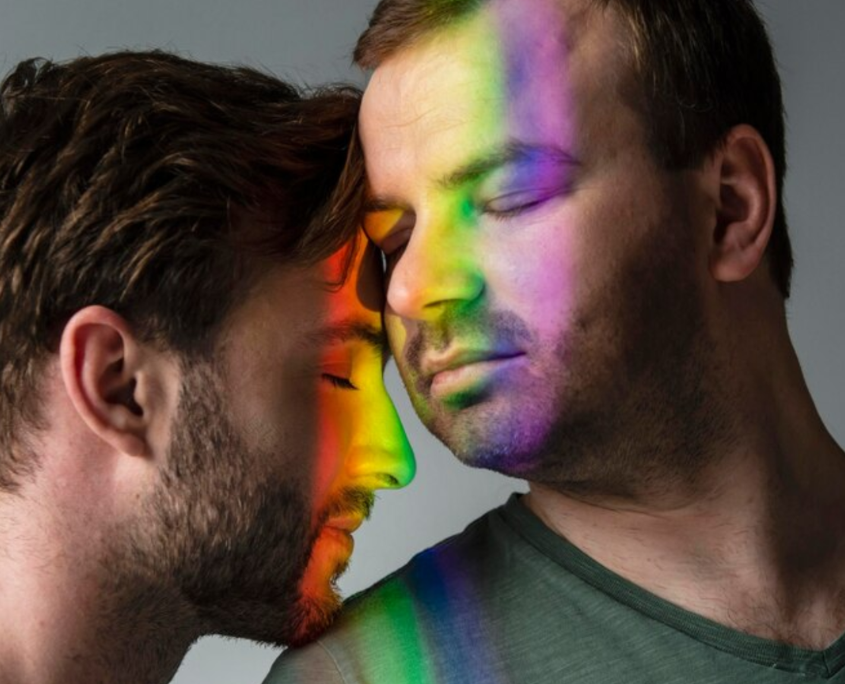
x: 580, y: 206
x: 193, y: 419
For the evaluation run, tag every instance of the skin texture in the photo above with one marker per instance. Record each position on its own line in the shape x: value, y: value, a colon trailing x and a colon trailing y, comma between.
x: 182, y: 498
x: 616, y: 264
x: 598, y: 325
x: 323, y: 396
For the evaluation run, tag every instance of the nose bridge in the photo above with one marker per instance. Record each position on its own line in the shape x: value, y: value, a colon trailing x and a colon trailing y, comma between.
x: 383, y: 457
x: 438, y: 266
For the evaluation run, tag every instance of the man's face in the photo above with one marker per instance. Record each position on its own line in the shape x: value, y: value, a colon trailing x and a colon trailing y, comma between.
x: 541, y: 269
x: 278, y: 446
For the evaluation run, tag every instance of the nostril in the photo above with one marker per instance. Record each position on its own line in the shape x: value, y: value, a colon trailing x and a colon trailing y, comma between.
x: 390, y: 482
x: 406, y: 472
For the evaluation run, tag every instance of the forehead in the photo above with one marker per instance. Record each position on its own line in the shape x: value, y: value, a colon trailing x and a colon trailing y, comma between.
x: 289, y: 305
x: 358, y: 268
x: 538, y: 71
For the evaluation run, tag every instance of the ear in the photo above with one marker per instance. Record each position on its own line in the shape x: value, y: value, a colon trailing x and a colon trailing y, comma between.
x: 114, y: 382
x: 746, y: 204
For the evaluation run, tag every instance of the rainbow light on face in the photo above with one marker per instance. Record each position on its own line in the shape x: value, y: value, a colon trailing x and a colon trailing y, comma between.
x: 490, y: 122
x: 335, y: 425
x: 360, y: 443
x: 441, y: 606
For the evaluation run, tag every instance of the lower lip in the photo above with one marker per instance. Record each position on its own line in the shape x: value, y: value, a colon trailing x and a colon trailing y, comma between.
x: 472, y: 376
x: 340, y: 537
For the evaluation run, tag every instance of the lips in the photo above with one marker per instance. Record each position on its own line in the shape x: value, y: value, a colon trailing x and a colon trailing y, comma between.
x: 340, y: 530
x: 457, y: 359
x: 459, y: 372
x: 346, y: 524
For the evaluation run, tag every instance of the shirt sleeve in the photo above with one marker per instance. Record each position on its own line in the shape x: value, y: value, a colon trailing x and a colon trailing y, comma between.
x: 312, y: 664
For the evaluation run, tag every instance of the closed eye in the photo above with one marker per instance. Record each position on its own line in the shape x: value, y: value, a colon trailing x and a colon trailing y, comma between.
x: 336, y: 381
x: 517, y: 203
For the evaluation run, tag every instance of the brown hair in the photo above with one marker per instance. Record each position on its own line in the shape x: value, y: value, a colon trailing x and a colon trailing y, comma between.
x: 123, y: 182
x: 701, y: 67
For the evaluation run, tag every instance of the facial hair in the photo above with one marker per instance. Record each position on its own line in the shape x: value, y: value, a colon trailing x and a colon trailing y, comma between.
x: 621, y: 402
x: 228, y: 531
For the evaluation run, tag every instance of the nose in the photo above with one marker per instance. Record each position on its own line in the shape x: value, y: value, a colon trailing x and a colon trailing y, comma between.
x: 382, y: 457
x: 437, y: 270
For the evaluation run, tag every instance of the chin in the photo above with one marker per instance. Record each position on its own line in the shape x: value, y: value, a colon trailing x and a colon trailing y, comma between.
x: 313, y: 615
x: 496, y: 435
x: 319, y: 600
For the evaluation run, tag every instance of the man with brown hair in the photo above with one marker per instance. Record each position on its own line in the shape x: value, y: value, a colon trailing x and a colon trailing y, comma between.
x: 193, y: 418
x: 579, y: 204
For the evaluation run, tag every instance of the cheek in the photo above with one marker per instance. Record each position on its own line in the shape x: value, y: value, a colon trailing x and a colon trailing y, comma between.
x: 541, y: 284
x: 333, y: 438
x: 279, y: 418
x: 283, y: 414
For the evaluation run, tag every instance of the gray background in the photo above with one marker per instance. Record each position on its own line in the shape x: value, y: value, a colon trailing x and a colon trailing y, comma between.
x: 309, y: 41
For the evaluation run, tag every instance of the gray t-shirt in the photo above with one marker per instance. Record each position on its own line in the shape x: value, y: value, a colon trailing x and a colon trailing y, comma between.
x: 508, y: 600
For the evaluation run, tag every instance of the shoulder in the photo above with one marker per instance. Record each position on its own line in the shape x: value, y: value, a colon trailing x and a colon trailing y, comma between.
x: 409, y: 620
x: 313, y: 664
x: 437, y: 583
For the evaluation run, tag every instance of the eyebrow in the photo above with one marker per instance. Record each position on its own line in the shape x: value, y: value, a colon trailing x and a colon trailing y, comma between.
x: 351, y: 331
x: 513, y: 152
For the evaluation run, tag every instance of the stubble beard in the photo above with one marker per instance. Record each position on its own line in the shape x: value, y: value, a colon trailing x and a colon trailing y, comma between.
x: 223, y: 544
x: 628, y: 402
x: 658, y: 420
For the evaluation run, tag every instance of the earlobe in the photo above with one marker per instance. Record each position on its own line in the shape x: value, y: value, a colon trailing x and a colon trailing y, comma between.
x: 99, y: 362
x: 746, y: 205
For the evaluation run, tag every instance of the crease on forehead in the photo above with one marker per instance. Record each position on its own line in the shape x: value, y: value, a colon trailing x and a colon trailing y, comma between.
x: 510, y: 28
x: 516, y: 53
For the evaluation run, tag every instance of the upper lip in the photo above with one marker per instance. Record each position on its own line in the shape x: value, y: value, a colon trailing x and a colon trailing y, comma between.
x: 347, y: 523
x: 462, y: 357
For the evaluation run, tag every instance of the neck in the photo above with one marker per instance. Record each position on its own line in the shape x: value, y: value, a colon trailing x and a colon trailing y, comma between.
x: 753, y: 540
x: 67, y: 613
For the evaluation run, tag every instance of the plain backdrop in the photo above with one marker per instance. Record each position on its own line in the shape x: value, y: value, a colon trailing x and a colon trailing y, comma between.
x: 309, y: 41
